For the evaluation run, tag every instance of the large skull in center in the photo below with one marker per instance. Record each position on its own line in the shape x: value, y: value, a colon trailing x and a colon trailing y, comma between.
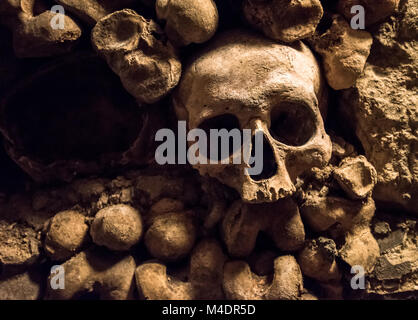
x: 245, y: 81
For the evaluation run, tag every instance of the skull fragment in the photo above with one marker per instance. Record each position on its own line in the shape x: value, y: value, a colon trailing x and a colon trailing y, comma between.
x: 244, y: 81
x: 55, y: 133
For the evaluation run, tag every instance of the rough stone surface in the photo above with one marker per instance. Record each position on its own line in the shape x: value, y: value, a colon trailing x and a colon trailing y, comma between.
x: 396, y: 271
x: 284, y: 20
x: 19, y: 244
x: 382, y: 107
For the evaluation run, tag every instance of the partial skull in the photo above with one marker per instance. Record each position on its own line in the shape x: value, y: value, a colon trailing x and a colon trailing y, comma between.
x: 244, y: 81
x: 137, y: 51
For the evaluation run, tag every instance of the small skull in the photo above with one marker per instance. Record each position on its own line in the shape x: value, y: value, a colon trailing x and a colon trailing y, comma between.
x: 245, y: 81
x: 136, y: 50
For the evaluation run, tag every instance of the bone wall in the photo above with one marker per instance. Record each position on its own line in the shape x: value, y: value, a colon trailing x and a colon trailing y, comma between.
x: 335, y: 97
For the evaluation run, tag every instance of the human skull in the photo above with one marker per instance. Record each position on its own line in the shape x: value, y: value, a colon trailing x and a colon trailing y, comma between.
x: 245, y: 81
x: 54, y: 134
x: 136, y: 50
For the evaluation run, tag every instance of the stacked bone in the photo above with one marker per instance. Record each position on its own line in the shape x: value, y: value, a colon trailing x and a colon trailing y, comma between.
x: 103, y: 228
x: 293, y: 233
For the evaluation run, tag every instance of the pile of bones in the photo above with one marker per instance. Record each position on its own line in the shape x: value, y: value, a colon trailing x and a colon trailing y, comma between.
x: 80, y: 107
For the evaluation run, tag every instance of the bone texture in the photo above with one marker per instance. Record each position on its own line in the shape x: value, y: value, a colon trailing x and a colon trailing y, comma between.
x: 83, y: 109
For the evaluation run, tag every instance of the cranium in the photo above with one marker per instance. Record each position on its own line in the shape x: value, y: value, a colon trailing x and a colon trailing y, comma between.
x: 136, y: 50
x: 245, y: 81
x: 54, y: 134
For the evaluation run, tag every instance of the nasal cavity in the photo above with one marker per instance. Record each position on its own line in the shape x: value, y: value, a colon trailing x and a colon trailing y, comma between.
x: 269, y: 161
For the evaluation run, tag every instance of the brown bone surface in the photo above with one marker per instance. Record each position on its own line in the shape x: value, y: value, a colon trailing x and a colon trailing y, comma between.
x: 80, y: 185
x: 253, y: 83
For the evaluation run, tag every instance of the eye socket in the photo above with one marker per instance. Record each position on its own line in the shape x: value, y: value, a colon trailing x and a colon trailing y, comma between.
x: 119, y: 30
x: 228, y: 122
x: 126, y: 29
x: 292, y: 124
